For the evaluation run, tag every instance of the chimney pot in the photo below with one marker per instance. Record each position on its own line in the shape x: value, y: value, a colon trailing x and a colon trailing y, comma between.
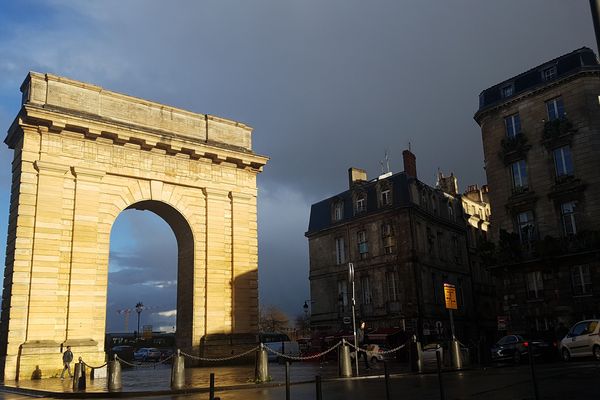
x: 356, y: 175
x: 410, y: 163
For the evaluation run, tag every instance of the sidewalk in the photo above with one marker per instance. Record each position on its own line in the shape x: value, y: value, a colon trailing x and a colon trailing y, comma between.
x: 150, y: 381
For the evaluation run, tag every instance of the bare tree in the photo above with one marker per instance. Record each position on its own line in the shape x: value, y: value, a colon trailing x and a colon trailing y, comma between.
x: 272, y: 319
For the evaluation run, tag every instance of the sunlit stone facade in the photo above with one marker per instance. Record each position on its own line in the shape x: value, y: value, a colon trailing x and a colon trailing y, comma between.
x: 83, y: 154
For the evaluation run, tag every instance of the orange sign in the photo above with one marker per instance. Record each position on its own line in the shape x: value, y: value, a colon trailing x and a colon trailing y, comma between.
x: 450, y: 296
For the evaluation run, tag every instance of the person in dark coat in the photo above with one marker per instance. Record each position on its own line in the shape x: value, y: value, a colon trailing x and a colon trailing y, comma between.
x: 67, y: 358
x: 362, y: 342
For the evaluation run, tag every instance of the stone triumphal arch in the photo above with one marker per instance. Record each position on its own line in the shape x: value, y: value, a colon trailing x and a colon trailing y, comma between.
x: 82, y: 155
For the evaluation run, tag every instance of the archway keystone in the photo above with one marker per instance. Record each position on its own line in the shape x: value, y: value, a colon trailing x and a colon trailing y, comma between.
x: 82, y: 155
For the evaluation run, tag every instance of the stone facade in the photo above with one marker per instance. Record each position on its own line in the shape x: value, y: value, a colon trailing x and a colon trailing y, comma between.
x: 541, y: 140
x: 82, y: 155
x: 405, y: 240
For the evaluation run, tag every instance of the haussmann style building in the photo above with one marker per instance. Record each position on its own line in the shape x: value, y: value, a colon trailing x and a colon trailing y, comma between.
x: 541, y: 141
x: 405, y: 240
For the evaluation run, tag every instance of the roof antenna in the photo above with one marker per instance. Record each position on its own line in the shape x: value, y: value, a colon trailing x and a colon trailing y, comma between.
x: 385, y: 169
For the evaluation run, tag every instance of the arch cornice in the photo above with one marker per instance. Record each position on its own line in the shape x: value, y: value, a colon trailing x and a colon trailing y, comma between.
x: 147, y: 139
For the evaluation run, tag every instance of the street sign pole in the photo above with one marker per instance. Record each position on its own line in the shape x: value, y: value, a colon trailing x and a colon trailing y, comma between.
x: 451, y: 323
x: 351, y: 279
x: 451, y: 305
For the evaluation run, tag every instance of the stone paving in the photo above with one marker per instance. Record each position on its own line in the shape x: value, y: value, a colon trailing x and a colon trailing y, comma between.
x: 156, y: 378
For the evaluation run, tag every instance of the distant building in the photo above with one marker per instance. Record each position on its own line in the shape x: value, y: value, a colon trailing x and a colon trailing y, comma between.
x: 541, y: 140
x: 476, y: 213
x: 405, y: 239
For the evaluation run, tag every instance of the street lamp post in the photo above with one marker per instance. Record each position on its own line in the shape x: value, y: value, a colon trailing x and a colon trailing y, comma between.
x: 306, y: 324
x: 351, y: 279
x: 139, y: 307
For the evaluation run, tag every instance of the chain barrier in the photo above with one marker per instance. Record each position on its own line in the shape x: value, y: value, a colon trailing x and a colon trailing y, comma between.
x: 395, y: 349
x: 153, y: 365
x: 89, y: 366
x: 270, y: 350
x: 223, y: 358
x: 298, y: 358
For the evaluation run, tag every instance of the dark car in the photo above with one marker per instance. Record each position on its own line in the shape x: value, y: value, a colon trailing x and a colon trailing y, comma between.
x: 147, y: 354
x: 516, y: 348
x: 123, y: 352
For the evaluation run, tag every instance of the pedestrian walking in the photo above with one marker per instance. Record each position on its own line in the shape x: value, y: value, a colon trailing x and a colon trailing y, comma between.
x: 67, y: 358
x: 362, y: 341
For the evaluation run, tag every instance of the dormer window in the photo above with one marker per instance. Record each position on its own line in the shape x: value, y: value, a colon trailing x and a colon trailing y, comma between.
x: 386, y: 197
x: 507, y: 90
x: 360, y: 205
x: 338, y: 210
x: 549, y: 73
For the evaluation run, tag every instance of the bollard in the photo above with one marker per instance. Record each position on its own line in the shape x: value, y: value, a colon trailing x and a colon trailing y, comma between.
x: 287, y: 380
x: 79, y: 376
x: 261, y: 369
x: 211, y: 388
x: 386, y: 373
x: 82, y: 384
x: 114, y: 375
x: 319, y: 387
x: 536, y: 392
x: 178, y: 371
x: 344, y: 364
x: 439, y: 371
x: 455, y: 354
x: 416, y: 355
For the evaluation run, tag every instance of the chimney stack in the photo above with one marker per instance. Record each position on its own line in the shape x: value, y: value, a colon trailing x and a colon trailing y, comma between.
x: 356, y: 175
x: 595, y: 8
x: 410, y: 163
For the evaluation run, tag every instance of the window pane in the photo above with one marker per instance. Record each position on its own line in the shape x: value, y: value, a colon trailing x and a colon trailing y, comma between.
x: 519, y: 174
x: 562, y: 161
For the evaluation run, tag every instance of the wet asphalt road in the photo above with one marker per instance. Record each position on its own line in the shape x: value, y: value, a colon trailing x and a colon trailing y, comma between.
x: 576, y: 380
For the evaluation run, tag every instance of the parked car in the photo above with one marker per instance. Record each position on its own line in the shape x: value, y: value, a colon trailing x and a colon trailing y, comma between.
x: 147, y: 354
x: 375, y: 353
x: 123, y: 352
x: 582, y: 340
x: 516, y: 348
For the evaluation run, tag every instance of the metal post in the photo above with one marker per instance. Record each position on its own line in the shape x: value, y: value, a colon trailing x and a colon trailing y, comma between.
x: 287, y: 380
x: 319, y: 388
x: 536, y: 392
x: 455, y: 352
x: 344, y: 364
x: 451, y: 323
x: 595, y: 8
x: 261, y: 370
x: 351, y: 279
x: 211, y: 390
x: 114, y: 375
x: 439, y: 371
x: 387, y: 381
x: 178, y: 371
x: 416, y: 355
x: 76, y: 374
x: 82, y: 383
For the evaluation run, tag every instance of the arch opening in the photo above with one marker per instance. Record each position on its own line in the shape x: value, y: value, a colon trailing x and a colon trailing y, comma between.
x: 162, y: 256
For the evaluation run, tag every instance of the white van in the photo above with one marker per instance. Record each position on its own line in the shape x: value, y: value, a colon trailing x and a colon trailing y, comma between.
x: 583, y: 340
x: 280, y: 343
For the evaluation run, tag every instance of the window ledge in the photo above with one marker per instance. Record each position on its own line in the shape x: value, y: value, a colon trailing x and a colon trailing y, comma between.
x: 579, y: 296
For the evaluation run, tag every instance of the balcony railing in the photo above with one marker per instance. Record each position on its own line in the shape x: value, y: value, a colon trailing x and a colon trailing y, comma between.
x: 510, y: 250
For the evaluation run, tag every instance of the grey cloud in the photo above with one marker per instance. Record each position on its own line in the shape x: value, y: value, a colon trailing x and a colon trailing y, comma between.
x: 326, y: 85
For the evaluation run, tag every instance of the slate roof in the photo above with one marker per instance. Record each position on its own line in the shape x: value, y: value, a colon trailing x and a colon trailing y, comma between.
x: 320, y: 213
x: 569, y: 64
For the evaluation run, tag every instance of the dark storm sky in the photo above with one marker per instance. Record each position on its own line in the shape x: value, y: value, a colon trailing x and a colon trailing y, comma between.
x: 325, y: 84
